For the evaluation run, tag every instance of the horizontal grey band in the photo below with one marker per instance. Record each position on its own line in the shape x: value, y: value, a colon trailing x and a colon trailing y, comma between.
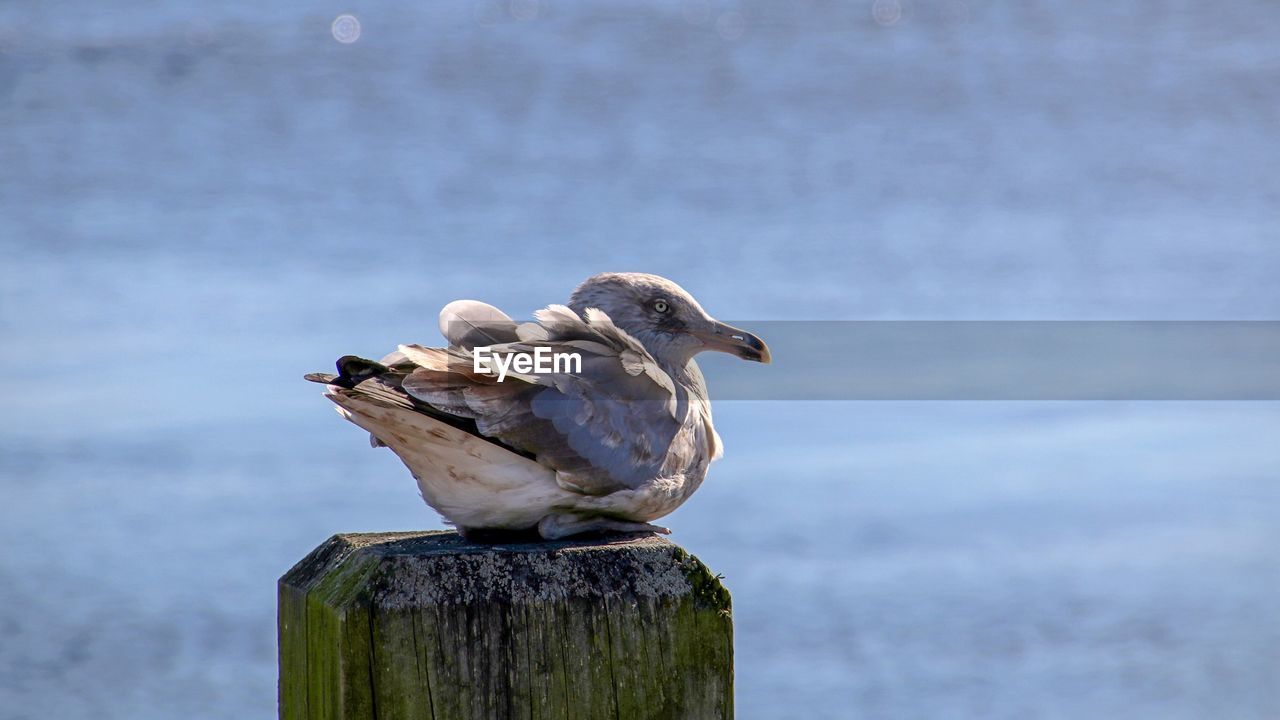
x: 1005, y: 360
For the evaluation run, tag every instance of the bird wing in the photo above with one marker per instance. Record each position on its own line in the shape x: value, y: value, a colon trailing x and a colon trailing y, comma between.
x: 606, y: 428
x: 465, y: 324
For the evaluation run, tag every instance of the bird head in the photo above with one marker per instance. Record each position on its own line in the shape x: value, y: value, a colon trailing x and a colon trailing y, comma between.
x: 671, y: 325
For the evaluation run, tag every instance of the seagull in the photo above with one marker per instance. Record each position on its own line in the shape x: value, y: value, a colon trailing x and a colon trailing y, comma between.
x: 617, y: 440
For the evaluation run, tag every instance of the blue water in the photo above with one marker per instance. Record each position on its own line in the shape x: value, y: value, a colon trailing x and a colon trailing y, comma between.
x: 198, y: 203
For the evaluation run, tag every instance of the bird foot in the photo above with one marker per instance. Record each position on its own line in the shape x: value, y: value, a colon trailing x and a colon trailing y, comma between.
x: 554, y: 527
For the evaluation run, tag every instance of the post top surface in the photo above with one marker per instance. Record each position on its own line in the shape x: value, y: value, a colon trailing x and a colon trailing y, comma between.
x: 446, y: 542
x: 424, y: 568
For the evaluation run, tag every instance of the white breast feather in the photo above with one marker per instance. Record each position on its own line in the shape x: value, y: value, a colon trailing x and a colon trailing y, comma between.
x: 468, y: 480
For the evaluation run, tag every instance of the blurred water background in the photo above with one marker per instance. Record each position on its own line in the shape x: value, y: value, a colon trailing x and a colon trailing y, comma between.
x: 199, y: 202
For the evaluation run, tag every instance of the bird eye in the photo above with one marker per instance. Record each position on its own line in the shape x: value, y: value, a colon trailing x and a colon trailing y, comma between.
x: 660, y: 306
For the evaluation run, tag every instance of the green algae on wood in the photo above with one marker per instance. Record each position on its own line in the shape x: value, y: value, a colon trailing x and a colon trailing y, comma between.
x: 382, y: 626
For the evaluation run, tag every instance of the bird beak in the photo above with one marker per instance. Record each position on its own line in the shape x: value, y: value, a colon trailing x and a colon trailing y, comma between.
x: 727, y: 338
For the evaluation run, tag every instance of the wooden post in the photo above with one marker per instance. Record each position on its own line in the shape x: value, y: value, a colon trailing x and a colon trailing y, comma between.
x: 429, y: 625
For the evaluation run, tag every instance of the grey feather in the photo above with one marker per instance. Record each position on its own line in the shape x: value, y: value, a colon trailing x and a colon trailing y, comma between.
x: 468, y: 323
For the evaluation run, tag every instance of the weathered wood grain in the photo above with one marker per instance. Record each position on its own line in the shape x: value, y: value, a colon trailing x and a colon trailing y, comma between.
x: 429, y: 625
